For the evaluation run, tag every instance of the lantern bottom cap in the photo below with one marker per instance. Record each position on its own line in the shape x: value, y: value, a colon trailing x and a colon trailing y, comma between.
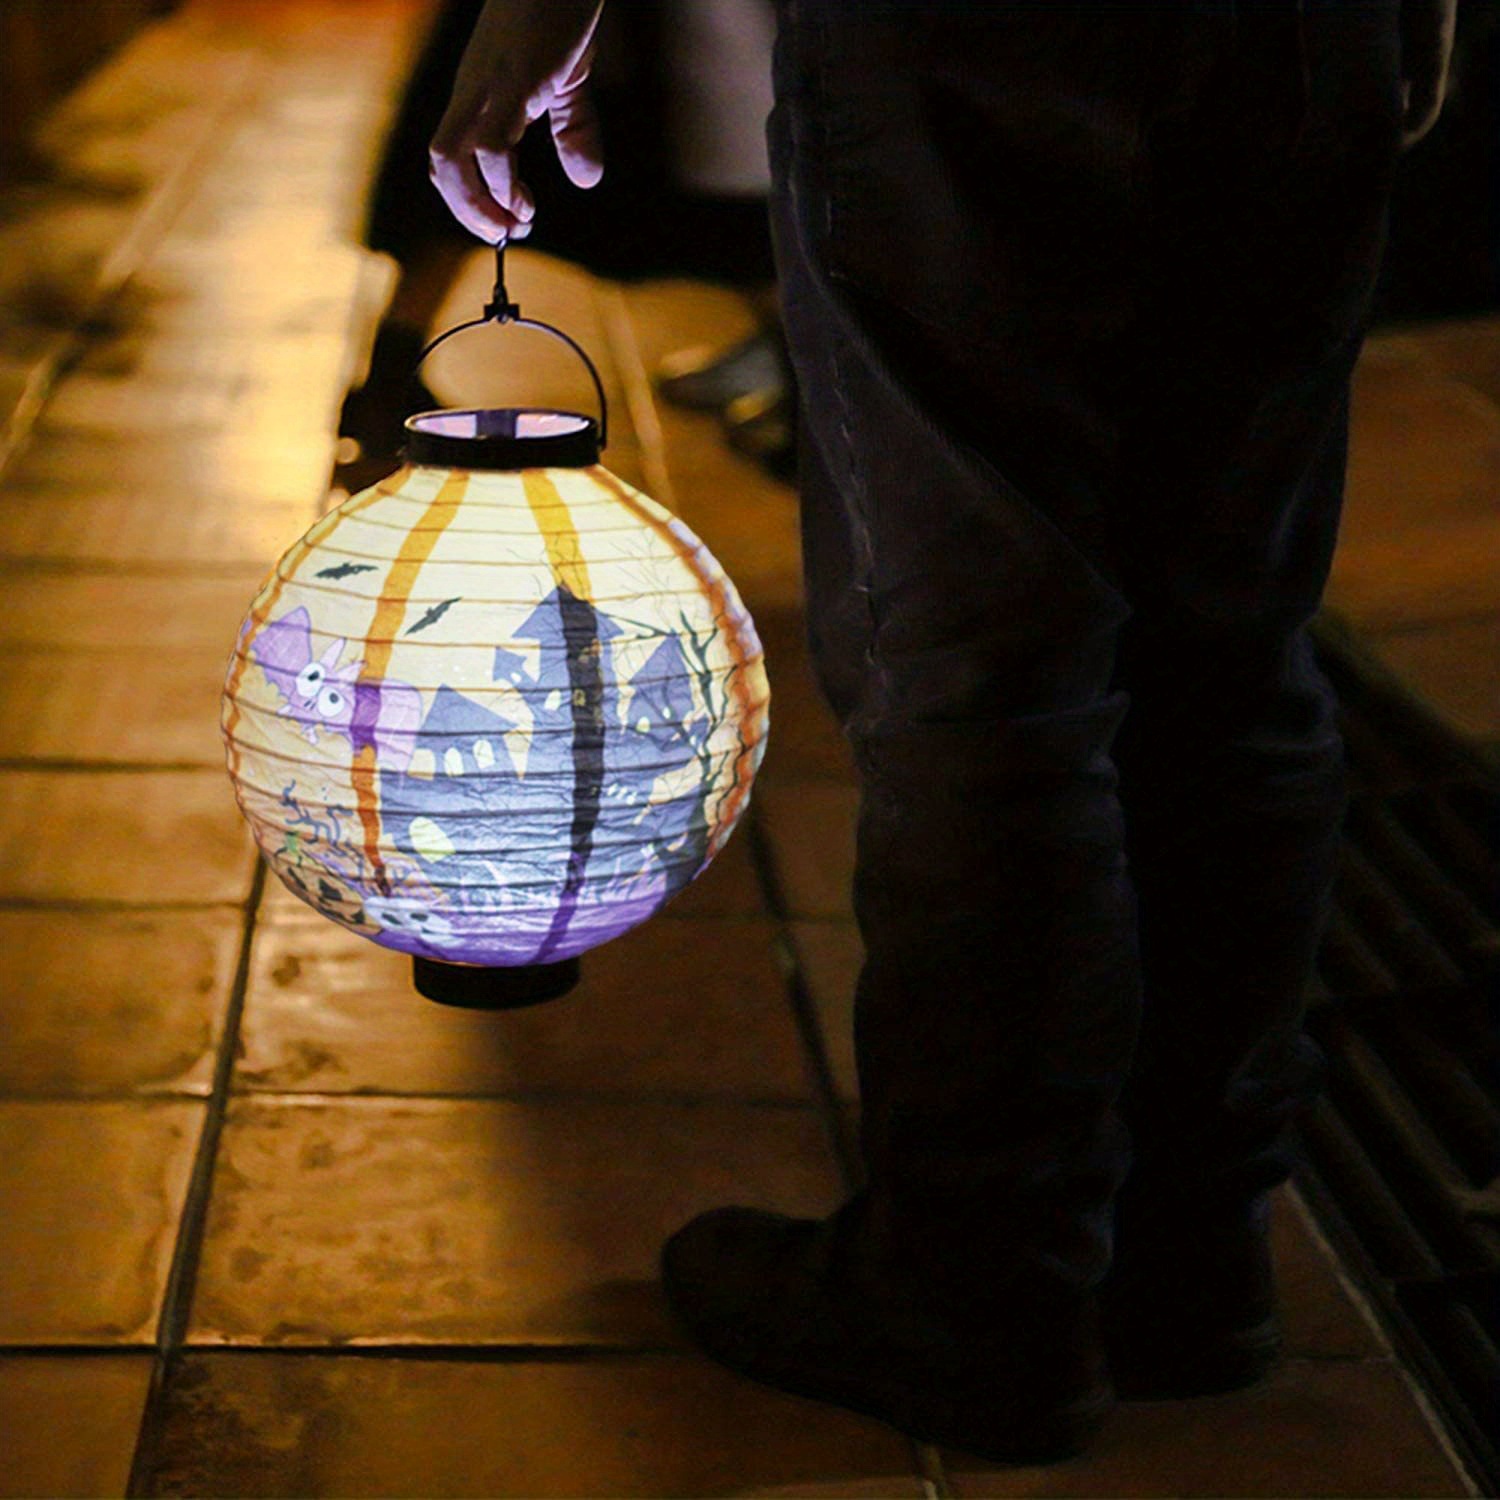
x: 478, y: 988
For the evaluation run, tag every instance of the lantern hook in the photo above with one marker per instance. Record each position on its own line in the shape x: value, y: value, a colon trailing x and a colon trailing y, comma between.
x: 500, y: 310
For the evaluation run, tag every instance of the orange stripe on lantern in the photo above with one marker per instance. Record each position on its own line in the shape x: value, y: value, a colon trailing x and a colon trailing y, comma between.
x: 559, y: 532
x: 260, y: 614
x: 713, y: 588
x: 390, y: 615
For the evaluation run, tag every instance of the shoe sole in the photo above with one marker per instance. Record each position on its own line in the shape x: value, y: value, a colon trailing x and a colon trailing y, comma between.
x: 1049, y: 1437
x: 1235, y: 1361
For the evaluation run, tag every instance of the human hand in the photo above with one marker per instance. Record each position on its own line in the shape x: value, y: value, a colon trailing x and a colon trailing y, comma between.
x: 1427, y: 28
x: 525, y: 59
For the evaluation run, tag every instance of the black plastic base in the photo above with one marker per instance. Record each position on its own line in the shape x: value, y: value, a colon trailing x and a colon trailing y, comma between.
x: 476, y: 988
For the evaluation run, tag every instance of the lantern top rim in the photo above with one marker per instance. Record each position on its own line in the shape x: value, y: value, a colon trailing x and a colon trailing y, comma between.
x: 502, y: 437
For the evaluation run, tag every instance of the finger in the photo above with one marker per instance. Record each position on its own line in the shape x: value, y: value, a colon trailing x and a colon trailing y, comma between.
x: 498, y: 169
x: 575, y: 131
x: 462, y: 187
x: 1420, y: 108
x: 1418, y: 125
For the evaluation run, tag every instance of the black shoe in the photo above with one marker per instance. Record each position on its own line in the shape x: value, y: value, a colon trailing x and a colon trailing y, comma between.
x: 1189, y: 1308
x: 763, y: 427
x: 765, y: 1295
x: 710, y: 381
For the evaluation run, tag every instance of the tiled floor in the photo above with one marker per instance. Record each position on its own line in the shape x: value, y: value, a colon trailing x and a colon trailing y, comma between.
x: 1416, y: 574
x: 270, y: 1223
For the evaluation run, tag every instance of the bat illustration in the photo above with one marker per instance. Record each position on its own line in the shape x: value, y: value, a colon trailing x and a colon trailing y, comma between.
x: 317, y: 693
x: 432, y: 616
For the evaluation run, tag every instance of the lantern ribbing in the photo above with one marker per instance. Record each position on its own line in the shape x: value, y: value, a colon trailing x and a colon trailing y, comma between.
x: 494, y: 717
x: 718, y: 591
x: 390, y: 615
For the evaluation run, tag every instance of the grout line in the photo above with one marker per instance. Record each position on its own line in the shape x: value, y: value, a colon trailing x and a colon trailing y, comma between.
x: 309, y: 1098
x: 815, y: 1051
x: 56, y: 763
x: 1376, y: 635
x: 144, y: 1096
x: 495, y: 1353
x: 1365, y: 1307
x: 927, y: 1461
x: 930, y: 1471
x: 1437, y: 1428
x: 100, y: 567
x: 178, y: 1298
x: 74, y: 1350
x: 109, y: 907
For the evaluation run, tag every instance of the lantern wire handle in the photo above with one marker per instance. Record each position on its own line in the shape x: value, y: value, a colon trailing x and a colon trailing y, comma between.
x: 500, y: 310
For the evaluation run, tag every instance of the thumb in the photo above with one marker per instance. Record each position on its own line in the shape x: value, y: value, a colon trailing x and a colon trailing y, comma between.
x: 575, y: 131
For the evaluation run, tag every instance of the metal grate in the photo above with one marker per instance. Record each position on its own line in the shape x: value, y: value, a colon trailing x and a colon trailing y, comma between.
x: 1403, y: 1150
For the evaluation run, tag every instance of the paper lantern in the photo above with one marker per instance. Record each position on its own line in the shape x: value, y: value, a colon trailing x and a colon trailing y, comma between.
x: 498, y: 708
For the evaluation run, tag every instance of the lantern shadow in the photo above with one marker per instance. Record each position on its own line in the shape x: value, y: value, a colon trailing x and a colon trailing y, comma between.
x: 576, y: 1135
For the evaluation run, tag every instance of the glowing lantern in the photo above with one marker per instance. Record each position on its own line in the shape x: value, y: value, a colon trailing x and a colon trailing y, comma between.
x: 498, y: 708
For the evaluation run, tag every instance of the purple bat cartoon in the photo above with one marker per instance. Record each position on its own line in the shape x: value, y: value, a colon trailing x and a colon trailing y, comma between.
x: 318, y: 693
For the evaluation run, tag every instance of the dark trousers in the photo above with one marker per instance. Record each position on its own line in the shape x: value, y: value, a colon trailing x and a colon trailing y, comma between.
x: 1073, y: 293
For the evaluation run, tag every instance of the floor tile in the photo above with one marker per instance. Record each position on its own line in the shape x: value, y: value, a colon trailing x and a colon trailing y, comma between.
x: 729, y: 887
x: 810, y: 828
x: 829, y: 955
x: 1455, y: 667
x: 421, y: 1221
x: 219, y: 359
x: 125, y: 610
x: 682, y: 1006
x: 70, y: 1423
x: 297, y: 287
x: 625, y: 459
x: 199, y: 383
x: 181, y: 409
x: 1465, y: 349
x: 1424, y: 448
x: 1442, y: 573
x: 90, y: 1194
x: 840, y: 1489
x: 142, y: 707
x: 245, y: 1424
x: 748, y: 519
x: 113, y: 1002
x: 669, y: 316
x: 1320, y: 1318
x: 1420, y: 529
x: 1335, y: 1428
x: 260, y: 469
x: 805, y: 741
x: 750, y: 525
x: 115, y: 528
x: 134, y: 836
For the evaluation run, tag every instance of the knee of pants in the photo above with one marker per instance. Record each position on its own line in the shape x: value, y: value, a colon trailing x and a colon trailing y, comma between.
x: 1016, y: 785
x: 1023, y: 673
x: 1260, y: 709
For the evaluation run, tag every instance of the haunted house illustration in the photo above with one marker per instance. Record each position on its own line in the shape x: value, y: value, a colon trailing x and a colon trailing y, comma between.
x: 577, y: 814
